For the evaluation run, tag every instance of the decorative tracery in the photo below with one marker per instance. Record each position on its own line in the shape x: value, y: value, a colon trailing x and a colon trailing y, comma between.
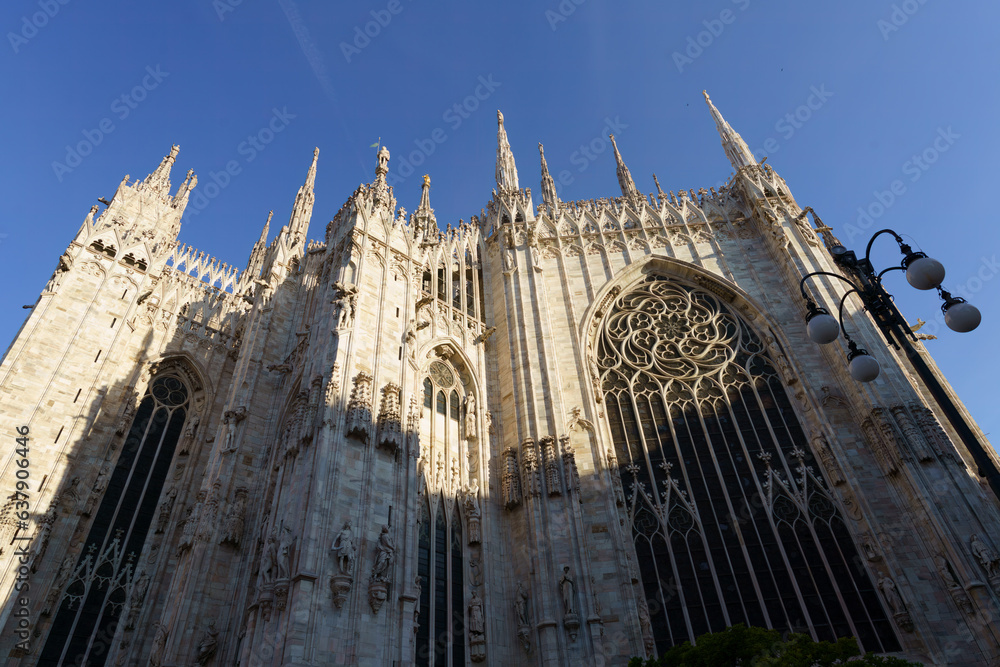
x: 730, y: 521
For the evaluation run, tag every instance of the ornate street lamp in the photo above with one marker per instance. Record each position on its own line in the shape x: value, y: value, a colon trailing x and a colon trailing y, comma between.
x: 923, y: 273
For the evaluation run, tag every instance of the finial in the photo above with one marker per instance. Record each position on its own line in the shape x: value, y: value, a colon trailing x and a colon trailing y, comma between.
x: 427, y: 179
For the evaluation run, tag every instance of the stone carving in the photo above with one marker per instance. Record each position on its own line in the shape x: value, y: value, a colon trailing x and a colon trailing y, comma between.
x: 477, y: 629
x: 191, y: 525
x: 359, y: 408
x: 64, y: 265
x: 553, y: 483
x: 61, y: 578
x: 231, y: 419
x: 822, y: 448
x: 595, y: 373
x: 232, y: 530
x: 883, y: 452
x: 269, y: 560
x: 378, y: 584
x: 471, y: 421
x: 988, y: 558
x: 385, y: 552
x: 473, y: 513
x: 41, y: 541
x: 567, y: 591
x: 70, y: 495
x: 510, y: 482
x: 521, y: 612
x: 208, y: 645
x: 616, y: 479
x: 509, y: 265
x: 645, y: 626
x: 895, y: 602
x: 346, y: 303
x: 529, y: 462
x: 166, y: 507
x: 569, y: 467
x: 126, y: 416
x: 284, y: 560
x: 97, y: 492
x: 390, y: 427
x: 870, y: 548
x: 954, y: 588
x: 158, y: 645
x: 191, y: 430
x: 343, y: 549
x: 914, y: 438
x: 136, y: 598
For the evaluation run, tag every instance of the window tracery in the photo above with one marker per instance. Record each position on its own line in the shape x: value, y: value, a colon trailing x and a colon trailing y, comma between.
x: 730, y: 521
x: 96, y: 593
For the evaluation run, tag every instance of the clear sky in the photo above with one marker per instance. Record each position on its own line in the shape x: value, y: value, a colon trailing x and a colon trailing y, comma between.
x: 846, y: 98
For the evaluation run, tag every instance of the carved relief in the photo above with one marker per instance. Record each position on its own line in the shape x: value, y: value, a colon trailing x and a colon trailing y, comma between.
x: 553, y: 483
x: 570, y: 469
x: 232, y: 529
x: 359, y: 408
x: 390, y: 427
x: 529, y: 465
x: 914, y: 438
x: 885, y: 453
x: 833, y: 470
x: 510, y: 479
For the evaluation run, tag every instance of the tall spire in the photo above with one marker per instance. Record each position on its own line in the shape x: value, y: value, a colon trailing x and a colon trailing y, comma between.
x: 160, y: 178
x: 661, y: 195
x: 423, y: 217
x: 624, y: 176
x: 737, y: 151
x: 184, y: 191
x: 549, y: 195
x: 298, y: 224
x: 256, y: 260
x: 506, y: 169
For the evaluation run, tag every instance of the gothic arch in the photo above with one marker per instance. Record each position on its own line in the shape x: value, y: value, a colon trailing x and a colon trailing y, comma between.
x: 729, y: 520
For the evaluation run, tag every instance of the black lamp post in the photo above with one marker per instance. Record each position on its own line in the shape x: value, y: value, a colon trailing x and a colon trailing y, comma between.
x: 923, y: 273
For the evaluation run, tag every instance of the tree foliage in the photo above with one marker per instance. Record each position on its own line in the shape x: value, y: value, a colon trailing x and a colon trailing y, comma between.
x: 740, y: 646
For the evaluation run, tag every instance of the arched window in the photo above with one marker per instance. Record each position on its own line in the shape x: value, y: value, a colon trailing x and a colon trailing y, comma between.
x: 730, y: 519
x: 94, y: 598
x: 440, y: 565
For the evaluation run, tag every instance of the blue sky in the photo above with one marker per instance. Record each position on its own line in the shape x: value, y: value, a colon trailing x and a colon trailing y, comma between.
x: 900, y: 92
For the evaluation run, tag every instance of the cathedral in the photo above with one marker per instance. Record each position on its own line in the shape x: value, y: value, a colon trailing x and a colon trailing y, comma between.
x: 562, y: 433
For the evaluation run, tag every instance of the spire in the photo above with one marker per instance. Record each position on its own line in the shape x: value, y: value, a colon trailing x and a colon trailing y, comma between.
x: 160, y: 178
x: 736, y: 149
x: 424, y: 220
x: 506, y: 169
x: 624, y: 177
x: 298, y: 224
x: 256, y: 260
x: 181, y: 198
x: 659, y: 191
x: 549, y: 195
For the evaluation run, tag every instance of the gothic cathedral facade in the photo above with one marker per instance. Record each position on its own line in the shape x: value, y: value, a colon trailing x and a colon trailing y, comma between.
x: 563, y: 433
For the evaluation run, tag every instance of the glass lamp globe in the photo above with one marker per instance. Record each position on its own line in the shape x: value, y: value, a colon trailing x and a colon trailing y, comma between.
x: 823, y: 328
x: 962, y: 317
x: 864, y: 368
x: 924, y: 273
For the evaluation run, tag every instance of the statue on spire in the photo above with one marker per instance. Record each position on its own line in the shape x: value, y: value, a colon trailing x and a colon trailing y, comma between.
x: 624, y: 176
x: 160, y: 178
x: 506, y: 169
x: 737, y: 151
x: 549, y: 195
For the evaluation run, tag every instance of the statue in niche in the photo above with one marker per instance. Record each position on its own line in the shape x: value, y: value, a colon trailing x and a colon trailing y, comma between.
x: 231, y: 419
x: 477, y: 623
x: 100, y: 484
x: 166, y: 506
x: 208, y: 645
x: 343, y: 549
x: 473, y: 513
x: 269, y: 560
x: 284, y: 560
x: 567, y: 589
x: 385, y: 551
x: 159, y: 644
x: 191, y: 430
x: 61, y: 578
x: 471, y: 421
x: 521, y: 605
x: 986, y: 556
x: 892, y: 597
x: 136, y: 598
